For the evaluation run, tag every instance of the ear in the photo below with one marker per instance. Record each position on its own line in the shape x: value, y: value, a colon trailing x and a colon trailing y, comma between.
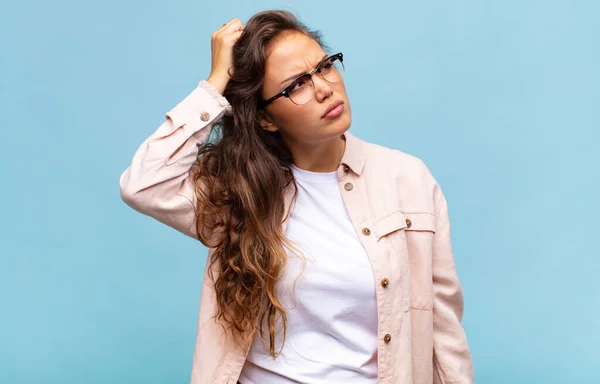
x: 265, y: 122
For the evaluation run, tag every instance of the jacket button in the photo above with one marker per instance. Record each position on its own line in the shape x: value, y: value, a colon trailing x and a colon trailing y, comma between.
x: 387, y: 338
x: 366, y: 231
x: 346, y: 168
x: 408, y: 223
x: 385, y: 282
x: 204, y: 116
x: 348, y: 186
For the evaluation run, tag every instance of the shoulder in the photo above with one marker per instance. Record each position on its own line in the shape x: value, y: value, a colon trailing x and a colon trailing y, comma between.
x: 379, y: 152
x: 399, y: 176
x: 395, y: 163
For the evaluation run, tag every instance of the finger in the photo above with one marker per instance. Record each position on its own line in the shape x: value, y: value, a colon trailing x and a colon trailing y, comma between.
x: 230, y: 35
x: 224, y: 26
x: 230, y: 26
x: 235, y: 36
x: 238, y: 31
x: 232, y: 38
x: 233, y: 25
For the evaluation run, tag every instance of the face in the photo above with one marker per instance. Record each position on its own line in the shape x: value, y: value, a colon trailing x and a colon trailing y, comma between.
x: 289, y: 56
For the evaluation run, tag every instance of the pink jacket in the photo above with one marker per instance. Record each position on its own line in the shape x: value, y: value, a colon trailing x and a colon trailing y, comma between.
x: 399, y: 212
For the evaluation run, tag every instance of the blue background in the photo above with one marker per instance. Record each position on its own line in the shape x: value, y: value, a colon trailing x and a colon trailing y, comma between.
x: 499, y: 98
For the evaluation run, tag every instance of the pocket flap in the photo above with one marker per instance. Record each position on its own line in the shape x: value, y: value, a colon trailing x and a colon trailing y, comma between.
x: 388, y: 224
x: 403, y: 220
x: 420, y: 221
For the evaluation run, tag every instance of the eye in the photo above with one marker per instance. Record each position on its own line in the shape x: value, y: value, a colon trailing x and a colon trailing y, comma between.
x: 297, y: 86
x: 327, y: 66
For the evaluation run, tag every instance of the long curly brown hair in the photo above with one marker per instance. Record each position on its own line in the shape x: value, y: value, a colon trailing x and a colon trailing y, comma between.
x: 241, y: 179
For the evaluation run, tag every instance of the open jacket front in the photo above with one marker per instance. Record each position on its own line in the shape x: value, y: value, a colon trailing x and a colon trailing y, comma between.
x: 399, y: 213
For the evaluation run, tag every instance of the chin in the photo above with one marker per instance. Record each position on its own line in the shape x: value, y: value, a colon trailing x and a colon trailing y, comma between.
x: 337, y: 129
x: 343, y: 123
x: 345, y: 126
x: 334, y: 128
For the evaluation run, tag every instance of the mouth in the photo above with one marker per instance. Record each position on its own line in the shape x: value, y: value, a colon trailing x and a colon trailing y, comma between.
x: 335, y: 109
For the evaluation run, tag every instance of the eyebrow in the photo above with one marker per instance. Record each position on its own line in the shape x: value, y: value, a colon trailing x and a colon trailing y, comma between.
x: 302, y: 73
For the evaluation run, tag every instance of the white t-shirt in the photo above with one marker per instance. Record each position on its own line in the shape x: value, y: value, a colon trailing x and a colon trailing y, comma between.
x: 332, y: 328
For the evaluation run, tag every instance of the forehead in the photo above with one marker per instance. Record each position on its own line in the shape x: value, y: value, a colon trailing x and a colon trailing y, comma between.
x: 291, y: 53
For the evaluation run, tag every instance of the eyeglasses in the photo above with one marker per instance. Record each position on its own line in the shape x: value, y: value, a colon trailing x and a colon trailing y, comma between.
x: 302, y: 89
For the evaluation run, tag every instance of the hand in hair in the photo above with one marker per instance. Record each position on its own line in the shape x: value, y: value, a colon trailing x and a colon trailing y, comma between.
x: 222, y: 42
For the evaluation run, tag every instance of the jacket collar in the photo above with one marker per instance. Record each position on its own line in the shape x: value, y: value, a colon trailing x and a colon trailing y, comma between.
x: 354, y: 156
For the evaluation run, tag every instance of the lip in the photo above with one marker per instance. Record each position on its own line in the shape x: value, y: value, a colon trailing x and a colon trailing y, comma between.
x: 331, y: 107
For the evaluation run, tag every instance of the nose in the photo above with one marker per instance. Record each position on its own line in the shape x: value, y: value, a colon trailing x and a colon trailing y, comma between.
x: 323, y: 88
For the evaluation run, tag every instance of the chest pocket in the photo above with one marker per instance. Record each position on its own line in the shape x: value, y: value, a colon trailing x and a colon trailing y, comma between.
x: 420, y: 222
x: 411, y: 235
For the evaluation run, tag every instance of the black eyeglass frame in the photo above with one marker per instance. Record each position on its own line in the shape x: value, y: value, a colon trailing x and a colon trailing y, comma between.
x: 286, y: 93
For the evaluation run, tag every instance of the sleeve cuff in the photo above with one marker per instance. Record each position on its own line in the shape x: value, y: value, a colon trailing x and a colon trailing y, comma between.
x: 216, y: 95
x: 203, y: 107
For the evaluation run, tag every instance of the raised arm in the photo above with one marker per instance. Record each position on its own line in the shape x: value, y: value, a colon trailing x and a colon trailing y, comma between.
x: 158, y: 182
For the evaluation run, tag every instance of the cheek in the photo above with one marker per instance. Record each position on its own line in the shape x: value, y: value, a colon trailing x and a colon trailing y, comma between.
x: 297, y: 118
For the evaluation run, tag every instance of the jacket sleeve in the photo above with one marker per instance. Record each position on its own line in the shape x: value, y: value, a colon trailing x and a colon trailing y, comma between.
x: 158, y: 182
x: 452, y: 362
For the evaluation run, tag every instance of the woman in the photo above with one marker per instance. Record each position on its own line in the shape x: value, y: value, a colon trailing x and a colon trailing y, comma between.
x: 330, y: 258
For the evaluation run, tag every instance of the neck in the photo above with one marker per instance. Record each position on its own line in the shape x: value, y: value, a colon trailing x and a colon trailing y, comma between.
x: 323, y: 156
